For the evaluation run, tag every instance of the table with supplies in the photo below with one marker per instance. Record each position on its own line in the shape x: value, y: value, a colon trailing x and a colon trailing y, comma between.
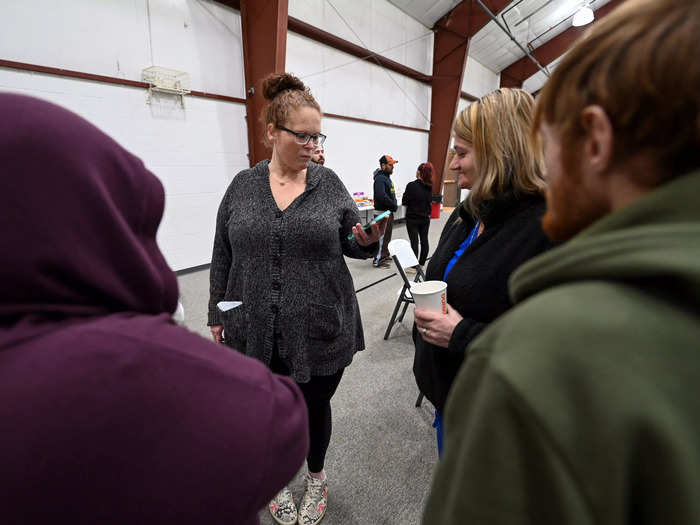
x: 366, y: 213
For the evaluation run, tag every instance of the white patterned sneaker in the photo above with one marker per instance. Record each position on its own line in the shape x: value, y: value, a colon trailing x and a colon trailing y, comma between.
x: 282, y: 507
x: 315, y: 501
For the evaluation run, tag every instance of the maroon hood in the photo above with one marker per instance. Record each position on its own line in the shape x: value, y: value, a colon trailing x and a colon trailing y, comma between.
x: 80, y: 219
x: 111, y: 413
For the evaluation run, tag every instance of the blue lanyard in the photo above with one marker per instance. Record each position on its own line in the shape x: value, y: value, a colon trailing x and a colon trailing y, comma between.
x: 462, y: 248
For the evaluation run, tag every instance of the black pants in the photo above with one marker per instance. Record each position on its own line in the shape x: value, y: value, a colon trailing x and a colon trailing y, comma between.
x: 317, y: 394
x: 383, y: 249
x: 416, y: 230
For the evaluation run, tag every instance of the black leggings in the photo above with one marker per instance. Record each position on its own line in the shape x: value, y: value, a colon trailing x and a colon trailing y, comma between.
x: 416, y: 230
x: 317, y: 394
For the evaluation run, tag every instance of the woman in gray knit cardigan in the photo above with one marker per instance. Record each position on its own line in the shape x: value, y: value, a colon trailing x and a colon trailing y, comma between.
x: 282, y: 230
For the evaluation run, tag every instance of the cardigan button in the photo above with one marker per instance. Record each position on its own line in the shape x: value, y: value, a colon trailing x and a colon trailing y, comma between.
x: 274, y: 308
x: 276, y: 285
x: 278, y: 214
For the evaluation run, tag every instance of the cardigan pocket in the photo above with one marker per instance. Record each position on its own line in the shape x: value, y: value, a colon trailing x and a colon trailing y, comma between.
x: 235, y: 322
x: 325, y: 322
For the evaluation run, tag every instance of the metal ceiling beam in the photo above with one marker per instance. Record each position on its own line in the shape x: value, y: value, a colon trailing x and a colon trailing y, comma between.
x: 515, y: 74
x: 450, y: 48
x: 503, y: 28
x: 264, y: 27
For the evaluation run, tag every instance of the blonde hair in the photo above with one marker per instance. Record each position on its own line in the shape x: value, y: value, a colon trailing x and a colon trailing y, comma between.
x: 640, y: 64
x: 506, y: 156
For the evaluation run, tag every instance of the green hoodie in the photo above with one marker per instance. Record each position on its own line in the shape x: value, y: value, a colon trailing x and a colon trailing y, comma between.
x: 582, y: 404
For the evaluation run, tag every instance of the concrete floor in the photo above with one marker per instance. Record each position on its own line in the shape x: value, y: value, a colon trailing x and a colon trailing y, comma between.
x: 382, y: 452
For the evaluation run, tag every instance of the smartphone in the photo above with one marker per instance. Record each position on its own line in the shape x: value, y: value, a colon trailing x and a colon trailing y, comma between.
x: 368, y: 227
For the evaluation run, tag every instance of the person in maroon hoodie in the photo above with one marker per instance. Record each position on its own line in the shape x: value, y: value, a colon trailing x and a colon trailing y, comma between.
x: 110, y: 412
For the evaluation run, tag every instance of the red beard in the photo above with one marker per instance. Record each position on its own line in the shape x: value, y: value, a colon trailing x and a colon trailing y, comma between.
x: 570, y: 206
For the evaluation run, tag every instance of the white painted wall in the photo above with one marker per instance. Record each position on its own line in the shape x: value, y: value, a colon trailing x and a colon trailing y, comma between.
x: 346, y: 85
x: 196, y: 151
x: 357, y: 88
x: 538, y: 80
x: 353, y: 150
x: 478, y: 79
x: 110, y: 37
x: 377, y: 25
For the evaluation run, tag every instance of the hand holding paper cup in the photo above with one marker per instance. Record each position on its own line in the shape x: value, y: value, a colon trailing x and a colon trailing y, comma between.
x: 430, y: 295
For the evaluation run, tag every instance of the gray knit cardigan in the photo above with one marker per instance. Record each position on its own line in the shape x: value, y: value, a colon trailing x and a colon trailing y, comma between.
x: 287, y: 268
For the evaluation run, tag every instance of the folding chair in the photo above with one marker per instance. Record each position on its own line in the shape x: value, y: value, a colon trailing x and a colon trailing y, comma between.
x: 400, y: 250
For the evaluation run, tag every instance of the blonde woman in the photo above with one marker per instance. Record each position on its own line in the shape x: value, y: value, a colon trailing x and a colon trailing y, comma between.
x: 489, y: 235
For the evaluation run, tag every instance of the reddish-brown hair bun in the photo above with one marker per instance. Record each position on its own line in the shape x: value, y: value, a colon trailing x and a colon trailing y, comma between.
x: 285, y: 93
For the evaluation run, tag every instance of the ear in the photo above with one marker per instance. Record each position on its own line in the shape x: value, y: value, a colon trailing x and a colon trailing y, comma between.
x: 270, y: 132
x: 599, y: 142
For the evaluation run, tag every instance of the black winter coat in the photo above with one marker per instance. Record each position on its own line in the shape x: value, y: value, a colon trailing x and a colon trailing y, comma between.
x: 417, y: 198
x: 384, y: 193
x: 477, y: 286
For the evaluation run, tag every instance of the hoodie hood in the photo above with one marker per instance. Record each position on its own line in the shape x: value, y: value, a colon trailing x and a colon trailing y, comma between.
x: 81, y: 219
x: 380, y: 171
x: 652, y: 243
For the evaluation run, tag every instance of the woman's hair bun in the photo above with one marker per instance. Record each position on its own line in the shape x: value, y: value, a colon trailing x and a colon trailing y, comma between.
x: 274, y: 84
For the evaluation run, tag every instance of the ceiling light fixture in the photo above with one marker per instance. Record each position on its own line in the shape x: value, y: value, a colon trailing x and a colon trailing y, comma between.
x: 582, y: 17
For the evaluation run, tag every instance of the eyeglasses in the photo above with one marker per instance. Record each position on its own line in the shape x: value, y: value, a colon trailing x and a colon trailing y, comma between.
x: 304, y: 138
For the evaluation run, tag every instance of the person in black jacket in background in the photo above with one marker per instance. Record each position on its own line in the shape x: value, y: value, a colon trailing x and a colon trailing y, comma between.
x: 384, y: 199
x: 495, y: 230
x: 417, y: 198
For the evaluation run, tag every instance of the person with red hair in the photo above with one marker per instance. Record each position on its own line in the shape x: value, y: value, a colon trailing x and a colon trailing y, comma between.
x: 417, y: 198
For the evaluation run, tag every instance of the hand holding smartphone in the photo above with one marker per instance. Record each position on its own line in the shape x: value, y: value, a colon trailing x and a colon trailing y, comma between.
x: 368, y: 227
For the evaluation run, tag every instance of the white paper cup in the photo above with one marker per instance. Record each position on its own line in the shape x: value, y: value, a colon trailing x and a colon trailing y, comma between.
x: 430, y: 295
